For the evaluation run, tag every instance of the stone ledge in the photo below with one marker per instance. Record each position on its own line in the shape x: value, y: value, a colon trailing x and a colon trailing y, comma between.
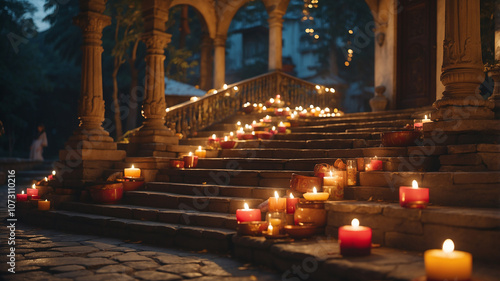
x: 459, y: 126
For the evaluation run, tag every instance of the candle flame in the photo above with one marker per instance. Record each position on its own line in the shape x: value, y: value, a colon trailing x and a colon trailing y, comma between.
x: 331, y: 173
x: 231, y: 134
x: 190, y: 153
x: 45, y: 200
x: 375, y: 157
x: 45, y: 179
x: 22, y: 192
x: 314, y: 190
x: 270, y: 229
x: 254, y: 122
x: 53, y: 172
x: 355, y: 222
x: 132, y: 166
x: 225, y: 138
x: 33, y: 186
x: 214, y: 136
x: 448, y: 246
x: 274, y: 128
x: 246, y: 206
x: 414, y: 184
x: 276, y: 194
x: 264, y: 108
x: 199, y: 147
x: 291, y: 196
x: 238, y: 123
x: 281, y: 124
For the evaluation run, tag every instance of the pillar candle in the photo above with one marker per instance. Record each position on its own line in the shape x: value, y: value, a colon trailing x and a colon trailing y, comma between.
x: 35, y: 197
x: 22, y: 196
x: 132, y: 172
x: 32, y: 191
x: 291, y: 204
x: 277, y: 204
x: 44, y: 205
x: 316, y: 196
x: 281, y: 128
x: 247, y: 214
x: 376, y: 165
x: 190, y: 160
x: 355, y: 240
x: 413, y: 196
x: 201, y: 153
x: 331, y: 180
x: 447, y: 264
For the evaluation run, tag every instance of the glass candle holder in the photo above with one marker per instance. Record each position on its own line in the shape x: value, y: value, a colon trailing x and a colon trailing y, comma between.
x: 352, y: 172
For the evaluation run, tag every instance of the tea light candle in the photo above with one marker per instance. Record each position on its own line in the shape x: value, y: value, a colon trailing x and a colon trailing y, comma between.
x: 277, y: 204
x: 51, y: 177
x: 271, y: 231
x: 32, y: 191
x: 426, y: 120
x: 44, y: 205
x: 291, y: 204
x: 201, y: 153
x: 132, y: 172
x: 418, y: 125
x: 331, y: 180
x: 413, y: 197
x: 376, y: 165
x: 240, y: 133
x: 316, y: 196
x: 190, y: 160
x: 273, y: 130
x: 355, y: 240
x: 247, y: 214
x: 22, y: 196
x: 447, y: 264
x: 213, y: 139
x: 281, y: 128
x: 227, y: 144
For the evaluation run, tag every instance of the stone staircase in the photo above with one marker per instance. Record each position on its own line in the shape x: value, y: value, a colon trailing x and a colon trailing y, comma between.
x: 194, y: 208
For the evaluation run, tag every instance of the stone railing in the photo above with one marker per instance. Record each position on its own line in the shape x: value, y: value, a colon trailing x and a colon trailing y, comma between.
x: 195, y: 115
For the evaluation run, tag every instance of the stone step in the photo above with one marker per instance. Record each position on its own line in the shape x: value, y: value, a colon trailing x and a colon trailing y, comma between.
x: 222, y: 190
x: 321, y: 136
x: 292, y: 153
x: 230, y: 176
x: 353, y: 119
x: 152, y: 232
x: 419, y: 230
x: 171, y: 216
x: 467, y: 189
x: 202, y: 203
x: 343, y: 127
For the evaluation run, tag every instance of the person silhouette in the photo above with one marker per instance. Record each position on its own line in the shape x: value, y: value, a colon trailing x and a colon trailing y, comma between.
x: 38, y: 144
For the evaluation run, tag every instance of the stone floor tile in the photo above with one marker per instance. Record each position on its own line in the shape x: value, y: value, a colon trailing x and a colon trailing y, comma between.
x: 151, y: 275
x: 171, y: 259
x: 214, y: 270
x: 180, y: 268
x: 103, y: 254
x: 190, y: 275
x: 33, y: 276
x: 66, y: 268
x: 142, y: 265
x: 74, y: 274
x: 66, y: 261
x: 115, y: 268
x: 105, y: 277
x: 76, y: 249
x: 130, y: 257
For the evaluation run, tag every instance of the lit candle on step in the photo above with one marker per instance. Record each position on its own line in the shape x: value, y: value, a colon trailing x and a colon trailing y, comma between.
x: 291, y: 204
x: 44, y: 205
x: 22, y: 196
x: 281, y: 128
x: 376, y: 165
x: 202, y: 153
x: 53, y: 176
x: 447, y: 264
x: 316, y: 196
x: 271, y: 231
x: 32, y: 191
x: 277, y: 204
x: 132, y: 172
x: 355, y: 240
x: 227, y: 144
x: 426, y: 120
x: 247, y: 214
x: 190, y: 160
x: 413, y: 196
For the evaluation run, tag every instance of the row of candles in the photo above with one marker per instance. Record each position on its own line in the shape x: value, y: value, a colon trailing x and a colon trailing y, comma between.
x: 32, y: 194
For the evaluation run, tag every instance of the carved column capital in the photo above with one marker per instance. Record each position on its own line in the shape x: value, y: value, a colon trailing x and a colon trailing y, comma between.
x: 220, y: 40
x: 156, y: 41
x: 275, y: 19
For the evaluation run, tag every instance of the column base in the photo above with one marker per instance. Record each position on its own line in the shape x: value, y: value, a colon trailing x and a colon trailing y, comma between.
x: 462, y: 113
x: 152, y: 141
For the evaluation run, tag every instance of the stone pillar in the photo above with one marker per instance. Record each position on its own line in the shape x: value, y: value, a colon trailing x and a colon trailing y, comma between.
x: 462, y: 70
x: 90, y: 149
x: 153, y: 138
x: 275, y: 40
x: 219, y: 61
x: 206, y: 63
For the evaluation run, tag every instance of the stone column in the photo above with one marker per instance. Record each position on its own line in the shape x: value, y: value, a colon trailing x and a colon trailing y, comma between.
x: 206, y: 63
x: 494, y: 73
x: 90, y: 149
x: 275, y: 40
x: 219, y: 61
x: 153, y: 137
x: 462, y: 70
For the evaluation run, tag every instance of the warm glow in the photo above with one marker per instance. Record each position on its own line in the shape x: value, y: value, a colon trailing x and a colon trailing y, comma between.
x: 375, y: 157
x: 314, y: 190
x: 254, y: 122
x: 414, y: 184
x: 350, y: 31
x: 355, y: 222
x: 326, y: 89
x: 316, y: 36
x: 253, y: 133
x: 199, y: 147
x: 45, y: 179
x: 246, y: 206
x: 231, y: 134
x: 264, y: 108
x: 46, y: 201
x: 425, y: 117
x: 254, y: 105
x: 448, y: 246
x: 238, y: 123
x: 194, y: 98
x: 317, y: 87
x: 167, y: 109
x: 271, y: 100
x: 235, y: 88
x: 224, y: 87
x: 214, y: 136
x: 22, y: 192
x: 190, y: 153
x: 281, y: 124
x: 349, y: 51
x: 274, y: 128
x: 270, y: 229
x: 54, y: 172
x: 332, y: 90
x: 132, y: 166
x: 225, y: 138
x: 33, y: 186
x: 276, y: 194
x: 331, y: 174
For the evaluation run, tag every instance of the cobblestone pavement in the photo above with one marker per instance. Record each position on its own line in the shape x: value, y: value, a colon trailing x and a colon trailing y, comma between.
x: 43, y: 254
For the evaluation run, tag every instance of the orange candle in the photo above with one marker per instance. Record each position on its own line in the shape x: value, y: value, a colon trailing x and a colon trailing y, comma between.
x: 132, y: 172
x: 201, y: 153
x: 447, y: 264
x: 277, y: 204
x: 44, y: 205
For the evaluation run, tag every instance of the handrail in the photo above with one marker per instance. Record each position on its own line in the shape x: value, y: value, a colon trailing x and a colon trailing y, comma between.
x: 196, y: 115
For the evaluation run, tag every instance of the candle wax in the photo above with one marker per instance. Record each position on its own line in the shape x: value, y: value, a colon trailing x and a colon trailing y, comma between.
x: 246, y: 215
x: 291, y: 204
x: 190, y: 161
x: 413, y: 197
x: 277, y: 204
x: 21, y: 197
x: 319, y: 196
x: 201, y: 153
x: 32, y: 191
x: 132, y: 172
x: 44, y: 205
x: 376, y: 165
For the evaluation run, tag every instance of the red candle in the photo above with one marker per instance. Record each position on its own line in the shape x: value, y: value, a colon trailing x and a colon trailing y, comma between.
x: 376, y: 165
x: 32, y: 191
x: 35, y: 197
x: 213, y: 139
x: 418, y: 126
x: 291, y: 204
x: 177, y: 163
x: 281, y: 128
x: 247, y: 214
x: 240, y: 133
x: 355, y: 240
x: 227, y: 144
x: 273, y: 131
x: 413, y: 196
x: 190, y: 161
x: 22, y: 197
